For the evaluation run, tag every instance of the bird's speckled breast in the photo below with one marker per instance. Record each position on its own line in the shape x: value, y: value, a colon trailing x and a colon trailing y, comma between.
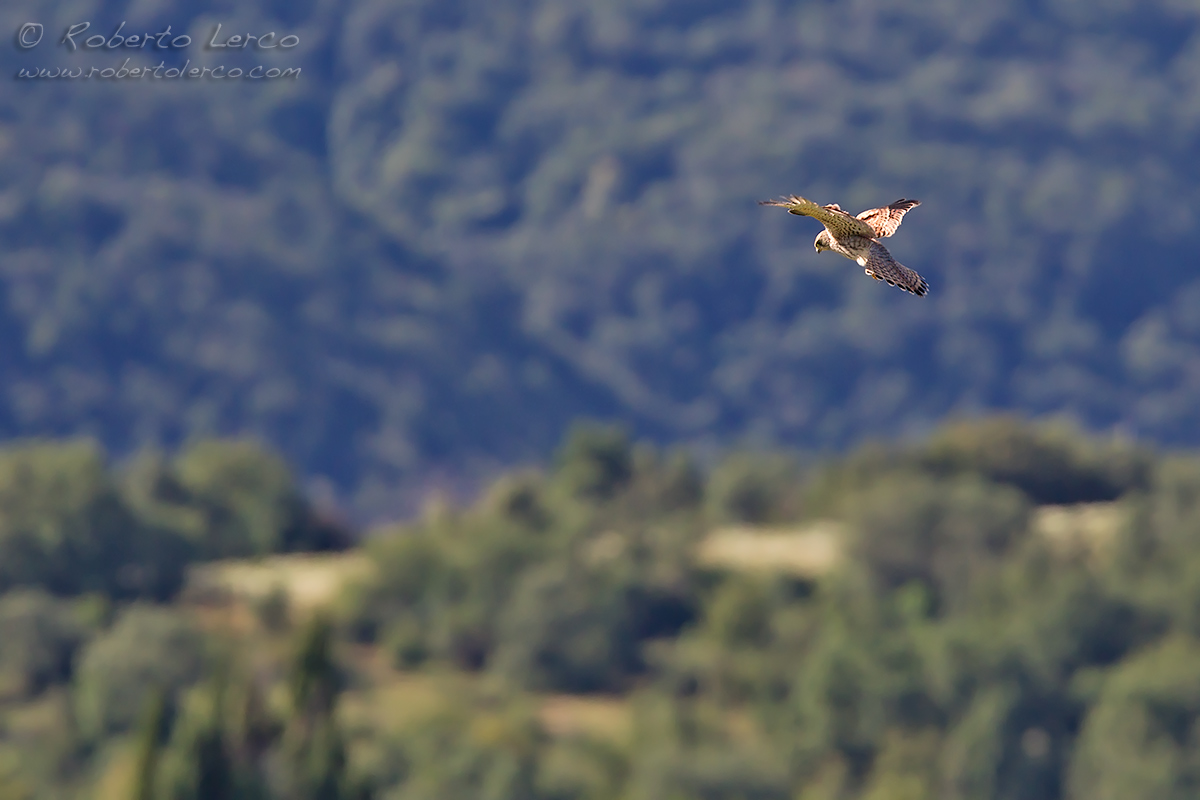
x: 852, y: 247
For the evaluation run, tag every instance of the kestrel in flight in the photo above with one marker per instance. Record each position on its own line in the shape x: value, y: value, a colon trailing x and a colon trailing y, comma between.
x: 857, y: 238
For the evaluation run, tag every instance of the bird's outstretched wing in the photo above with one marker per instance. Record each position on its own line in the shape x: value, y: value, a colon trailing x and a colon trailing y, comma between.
x: 886, y: 220
x: 839, y: 223
x: 881, y: 265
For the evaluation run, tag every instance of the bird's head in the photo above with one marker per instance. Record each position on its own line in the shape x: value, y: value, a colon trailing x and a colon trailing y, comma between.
x: 823, y: 242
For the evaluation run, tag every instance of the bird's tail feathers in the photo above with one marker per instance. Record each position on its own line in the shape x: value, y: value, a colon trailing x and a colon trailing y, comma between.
x: 912, y: 282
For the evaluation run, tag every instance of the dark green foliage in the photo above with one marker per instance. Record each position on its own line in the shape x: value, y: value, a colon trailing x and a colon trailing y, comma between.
x: 596, y: 462
x: 963, y: 649
x: 227, y: 745
x: 229, y: 499
x: 565, y: 570
x: 315, y: 679
x: 147, y: 649
x: 220, y: 743
x: 65, y: 527
x: 474, y: 748
x: 39, y: 637
x: 739, y: 614
x: 1139, y: 739
x: 274, y: 609
x: 1049, y: 463
x: 519, y: 498
x: 154, y: 725
x: 250, y: 494
x: 313, y: 745
x: 757, y: 489
x: 69, y: 527
x: 945, y: 534
x: 441, y: 587
x: 407, y: 641
x: 568, y: 628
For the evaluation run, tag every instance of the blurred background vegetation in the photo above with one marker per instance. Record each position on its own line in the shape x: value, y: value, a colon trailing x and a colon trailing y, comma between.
x: 241, y: 319
x: 1003, y: 611
x: 469, y: 222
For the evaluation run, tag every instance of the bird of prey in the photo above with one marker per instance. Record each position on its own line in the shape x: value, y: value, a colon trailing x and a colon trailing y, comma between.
x: 857, y: 238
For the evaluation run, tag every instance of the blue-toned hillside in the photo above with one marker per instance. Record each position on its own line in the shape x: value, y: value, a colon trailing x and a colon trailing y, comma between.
x: 465, y: 223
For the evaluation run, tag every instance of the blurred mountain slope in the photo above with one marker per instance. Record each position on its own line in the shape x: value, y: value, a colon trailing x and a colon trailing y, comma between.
x: 466, y: 223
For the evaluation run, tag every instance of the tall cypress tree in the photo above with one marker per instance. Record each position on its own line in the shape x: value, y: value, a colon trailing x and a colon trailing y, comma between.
x: 150, y: 740
x: 214, y: 766
x: 313, y: 740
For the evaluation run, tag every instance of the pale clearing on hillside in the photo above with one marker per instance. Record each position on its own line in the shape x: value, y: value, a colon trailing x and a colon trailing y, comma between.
x: 805, y: 552
x: 812, y: 550
x: 310, y: 580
